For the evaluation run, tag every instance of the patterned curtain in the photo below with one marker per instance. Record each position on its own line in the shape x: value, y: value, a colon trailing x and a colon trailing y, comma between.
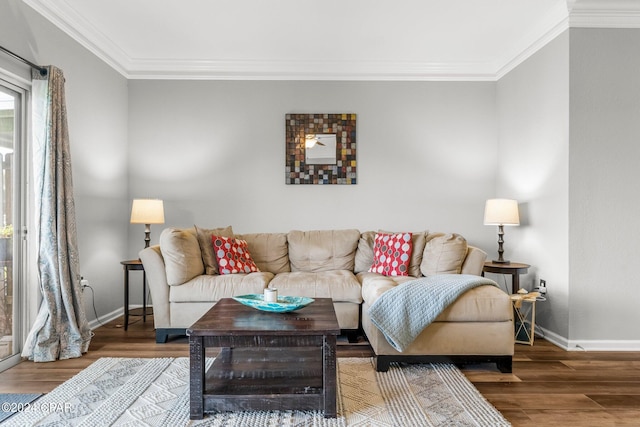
x: 61, y: 330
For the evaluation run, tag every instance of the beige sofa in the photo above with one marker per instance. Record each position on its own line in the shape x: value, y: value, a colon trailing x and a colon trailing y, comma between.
x: 184, y: 283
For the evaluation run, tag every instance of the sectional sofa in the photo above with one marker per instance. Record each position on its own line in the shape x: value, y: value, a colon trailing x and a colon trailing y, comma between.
x: 186, y: 279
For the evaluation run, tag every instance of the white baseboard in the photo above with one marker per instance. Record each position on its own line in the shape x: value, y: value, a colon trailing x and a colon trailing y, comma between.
x: 604, y: 345
x: 588, y: 345
x: 552, y: 337
x: 96, y: 323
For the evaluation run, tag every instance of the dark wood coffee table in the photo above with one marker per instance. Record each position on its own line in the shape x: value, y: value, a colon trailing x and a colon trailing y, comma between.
x: 268, y: 361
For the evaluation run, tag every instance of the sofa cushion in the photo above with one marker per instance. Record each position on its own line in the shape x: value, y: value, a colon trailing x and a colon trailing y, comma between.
x: 482, y: 304
x: 209, y: 288
x: 339, y: 285
x: 268, y: 250
x: 374, y: 284
x: 391, y: 254
x: 444, y: 254
x: 364, y: 253
x: 181, y: 254
x: 206, y: 247
x: 474, y: 261
x: 233, y: 256
x: 322, y: 250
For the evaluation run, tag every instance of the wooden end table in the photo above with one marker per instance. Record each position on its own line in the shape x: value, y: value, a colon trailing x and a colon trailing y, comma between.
x: 268, y: 361
x: 515, y: 269
x: 134, y: 265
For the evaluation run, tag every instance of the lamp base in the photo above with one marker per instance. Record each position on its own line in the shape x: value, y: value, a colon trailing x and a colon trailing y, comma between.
x: 500, y: 260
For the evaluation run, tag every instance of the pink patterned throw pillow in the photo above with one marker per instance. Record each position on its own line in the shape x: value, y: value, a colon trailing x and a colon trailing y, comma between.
x: 392, y: 254
x: 232, y: 255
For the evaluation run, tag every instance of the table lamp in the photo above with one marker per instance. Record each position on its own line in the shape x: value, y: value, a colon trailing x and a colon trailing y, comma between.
x: 501, y: 212
x: 147, y: 212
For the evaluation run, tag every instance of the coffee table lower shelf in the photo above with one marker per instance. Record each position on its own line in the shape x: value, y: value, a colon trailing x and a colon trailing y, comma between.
x: 249, y: 379
x: 267, y: 361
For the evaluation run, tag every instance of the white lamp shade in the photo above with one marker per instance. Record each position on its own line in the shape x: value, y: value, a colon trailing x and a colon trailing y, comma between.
x: 501, y: 212
x: 147, y: 211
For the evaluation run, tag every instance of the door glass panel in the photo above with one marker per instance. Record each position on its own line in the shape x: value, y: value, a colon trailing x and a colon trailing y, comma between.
x: 9, y: 104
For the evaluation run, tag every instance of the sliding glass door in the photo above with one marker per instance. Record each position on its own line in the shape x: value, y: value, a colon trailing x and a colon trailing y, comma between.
x: 12, y: 120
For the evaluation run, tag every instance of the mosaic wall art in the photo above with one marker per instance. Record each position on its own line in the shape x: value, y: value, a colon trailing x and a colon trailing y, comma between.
x: 320, y: 148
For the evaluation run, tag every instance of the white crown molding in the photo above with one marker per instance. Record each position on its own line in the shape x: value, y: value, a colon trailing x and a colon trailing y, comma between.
x: 547, y: 37
x: 60, y: 14
x: 550, y: 27
x: 604, y: 13
x: 573, y: 13
x: 68, y: 20
x: 310, y: 70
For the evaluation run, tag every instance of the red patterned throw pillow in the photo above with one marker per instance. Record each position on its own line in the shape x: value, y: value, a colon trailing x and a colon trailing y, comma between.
x: 392, y: 254
x: 233, y: 256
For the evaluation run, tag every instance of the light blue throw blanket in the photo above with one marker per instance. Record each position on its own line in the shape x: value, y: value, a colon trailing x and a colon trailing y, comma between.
x: 403, y: 312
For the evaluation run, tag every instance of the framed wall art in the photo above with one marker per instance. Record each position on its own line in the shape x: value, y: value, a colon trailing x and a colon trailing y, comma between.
x: 320, y: 148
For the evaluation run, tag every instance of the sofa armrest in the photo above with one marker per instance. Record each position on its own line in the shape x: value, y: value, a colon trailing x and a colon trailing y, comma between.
x: 474, y: 262
x: 154, y: 268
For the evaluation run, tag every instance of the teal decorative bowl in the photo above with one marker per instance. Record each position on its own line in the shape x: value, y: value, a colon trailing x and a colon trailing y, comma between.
x: 284, y: 304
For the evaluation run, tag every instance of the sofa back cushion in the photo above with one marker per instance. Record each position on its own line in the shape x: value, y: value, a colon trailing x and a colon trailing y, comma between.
x: 322, y: 250
x: 268, y: 250
x: 474, y: 261
x: 181, y: 253
x: 443, y: 254
x: 206, y: 246
x: 364, y: 254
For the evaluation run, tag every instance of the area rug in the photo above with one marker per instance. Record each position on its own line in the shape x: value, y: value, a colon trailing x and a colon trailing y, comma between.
x: 155, y: 392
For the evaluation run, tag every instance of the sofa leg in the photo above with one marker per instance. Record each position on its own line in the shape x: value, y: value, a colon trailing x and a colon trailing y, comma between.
x: 505, y: 365
x: 382, y: 363
x: 352, y: 336
x: 161, y: 336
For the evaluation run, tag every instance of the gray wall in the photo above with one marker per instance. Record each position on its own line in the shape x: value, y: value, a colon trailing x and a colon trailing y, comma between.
x: 559, y: 133
x: 97, y: 115
x: 568, y: 131
x: 604, y: 203
x: 533, y: 135
x: 214, y: 151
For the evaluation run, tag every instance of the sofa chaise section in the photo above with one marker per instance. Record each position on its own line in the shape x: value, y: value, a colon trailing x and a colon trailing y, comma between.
x: 475, y: 328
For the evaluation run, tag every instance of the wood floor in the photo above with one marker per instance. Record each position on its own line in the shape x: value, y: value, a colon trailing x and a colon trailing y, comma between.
x: 548, y: 387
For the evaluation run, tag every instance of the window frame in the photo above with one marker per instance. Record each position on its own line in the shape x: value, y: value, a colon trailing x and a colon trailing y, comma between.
x: 26, y: 298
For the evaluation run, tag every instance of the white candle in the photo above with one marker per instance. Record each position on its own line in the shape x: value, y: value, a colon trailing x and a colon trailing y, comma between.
x: 271, y: 295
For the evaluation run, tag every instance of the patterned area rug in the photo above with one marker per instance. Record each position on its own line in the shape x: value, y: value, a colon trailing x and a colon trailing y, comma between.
x: 155, y: 392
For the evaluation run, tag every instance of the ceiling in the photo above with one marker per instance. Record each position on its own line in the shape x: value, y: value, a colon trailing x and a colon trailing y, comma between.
x: 324, y: 39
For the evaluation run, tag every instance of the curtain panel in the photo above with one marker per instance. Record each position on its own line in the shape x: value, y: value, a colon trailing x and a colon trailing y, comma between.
x: 61, y: 330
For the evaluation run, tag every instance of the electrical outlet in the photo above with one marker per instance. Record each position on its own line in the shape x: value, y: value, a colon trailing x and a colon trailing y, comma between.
x: 542, y: 288
x: 84, y: 283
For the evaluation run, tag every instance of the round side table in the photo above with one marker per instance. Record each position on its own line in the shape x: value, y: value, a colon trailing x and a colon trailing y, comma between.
x: 515, y: 269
